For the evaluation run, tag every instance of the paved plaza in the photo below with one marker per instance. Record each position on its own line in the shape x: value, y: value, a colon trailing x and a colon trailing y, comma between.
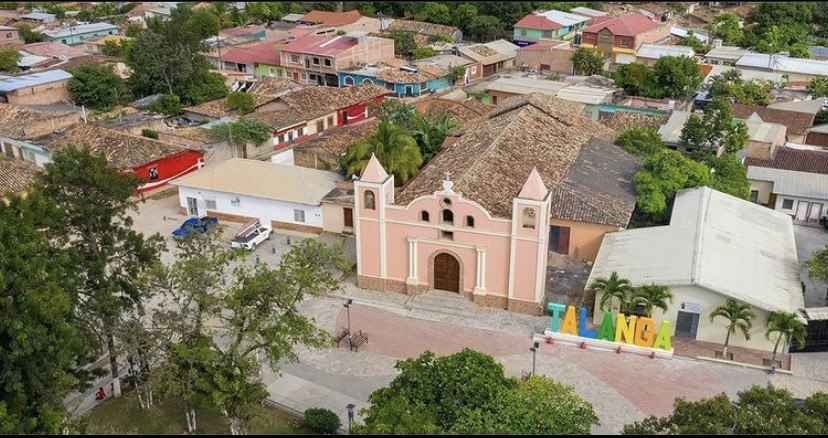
x: 622, y: 388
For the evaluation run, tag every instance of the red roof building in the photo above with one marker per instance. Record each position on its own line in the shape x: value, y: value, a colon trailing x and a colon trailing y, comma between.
x: 331, y: 18
x: 623, y: 34
x: 317, y: 59
x: 537, y: 22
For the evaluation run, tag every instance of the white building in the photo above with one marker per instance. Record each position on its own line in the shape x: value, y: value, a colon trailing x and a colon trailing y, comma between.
x: 648, y: 54
x: 794, y: 69
x: 716, y: 247
x: 241, y: 190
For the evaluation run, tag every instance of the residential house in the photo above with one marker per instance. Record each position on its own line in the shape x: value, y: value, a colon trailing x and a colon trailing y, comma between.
x: 96, y: 45
x: 623, y: 34
x: 426, y: 33
x: 10, y: 37
x: 20, y: 125
x: 793, y: 181
x: 725, y: 55
x: 648, y: 54
x: 547, y: 56
x: 400, y: 80
x: 317, y: 59
x: 16, y: 176
x: 481, y: 219
x: 239, y: 190
x: 325, y: 150
x: 716, y: 247
x: 547, y: 25
x: 793, y: 69
x: 155, y: 162
x: 76, y: 34
x: 219, y: 109
x: 493, y: 56
x: 252, y: 32
x: 587, y: 12
x: 658, y: 12
x: 796, y: 122
x: 505, y: 87
x: 35, y: 88
x: 464, y: 113
x: 763, y: 137
x: 811, y: 106
x: 46, y: 54
x: 342, y: 21
x: 39, y: 17
x: 198, y: 138
x: 260, y: 59
x: 472, y: 70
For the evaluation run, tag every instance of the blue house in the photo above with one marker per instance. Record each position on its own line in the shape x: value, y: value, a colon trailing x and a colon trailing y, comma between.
x: 403, y: 81
x: 76, y: 34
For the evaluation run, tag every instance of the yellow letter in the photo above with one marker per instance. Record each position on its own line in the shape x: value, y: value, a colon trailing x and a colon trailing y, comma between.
x: 625, y: 332
x: 570, y: 323
x: 645, y: 332
x: 662, y: 340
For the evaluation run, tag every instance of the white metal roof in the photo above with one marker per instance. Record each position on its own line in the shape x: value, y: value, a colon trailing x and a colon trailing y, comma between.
x: 656, y: 51
x: 714, y: 241
x: 525, y: 85
x: 11, y: 83
x: 747, y: 75
x: 684, y: 33
x: 587, y: 12
x: 563, y: 18
x: 811, y: 106
x: 79, y: 29
x: 759, y: 130
x: 585, y: 94
x: 791, y: 182
x: 782, y: 63
x: 263, y: 179
x: 727, y: 52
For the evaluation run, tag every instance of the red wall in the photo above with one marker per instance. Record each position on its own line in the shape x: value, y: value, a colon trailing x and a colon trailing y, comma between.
x: 356, y: 113
x: 169, y: 168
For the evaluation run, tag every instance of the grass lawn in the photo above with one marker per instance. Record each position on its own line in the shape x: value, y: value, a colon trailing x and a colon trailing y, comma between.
x: 124, y: 416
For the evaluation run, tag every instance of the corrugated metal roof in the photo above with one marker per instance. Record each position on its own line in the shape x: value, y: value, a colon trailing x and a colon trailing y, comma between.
x: 80, y: 29
x: 656, y: 51
x: 784, y: 63
x: 714, y: 241
x: 11, y: 83
x: 563, y: 18
x: 792, y: 183
x: 727, y: 52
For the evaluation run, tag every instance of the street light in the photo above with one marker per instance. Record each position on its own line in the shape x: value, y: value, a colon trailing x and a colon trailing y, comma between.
x: 347, y: 306
x: 350, y: 409
x: 534, y: 350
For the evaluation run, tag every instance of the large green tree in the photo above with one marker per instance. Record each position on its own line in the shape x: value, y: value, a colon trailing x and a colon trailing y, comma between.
x: 662, y: 175
x: 818, y: 266
x: 393, y: 146
x: 640, y: 140
x: 729, y: 175
x: 677, y: 76
x: 94, y: 200
x: 587, y: 62
x: 40, y: 343
x: 97, y: 86
x: 757, y: 411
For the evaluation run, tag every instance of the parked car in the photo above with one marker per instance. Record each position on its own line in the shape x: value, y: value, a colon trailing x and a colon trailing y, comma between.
x: 251, y: 235
x: 194, y: 225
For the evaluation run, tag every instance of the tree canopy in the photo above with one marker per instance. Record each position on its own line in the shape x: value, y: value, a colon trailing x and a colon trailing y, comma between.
x: 661, y: 176
x: 640, y: 140
x: 97, y: 86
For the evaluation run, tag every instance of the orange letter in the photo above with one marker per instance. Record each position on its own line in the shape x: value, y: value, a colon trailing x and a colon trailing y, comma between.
x: 625, y: 331
x: 645, y: 332
x: 570, y: 323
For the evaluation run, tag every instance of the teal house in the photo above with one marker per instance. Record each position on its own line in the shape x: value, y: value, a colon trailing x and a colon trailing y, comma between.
x: 555, y: 25
x: 404, y: 81
x: 76, y: 34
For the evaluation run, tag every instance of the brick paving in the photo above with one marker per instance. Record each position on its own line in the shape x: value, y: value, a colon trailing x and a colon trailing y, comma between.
x: 694, y: 348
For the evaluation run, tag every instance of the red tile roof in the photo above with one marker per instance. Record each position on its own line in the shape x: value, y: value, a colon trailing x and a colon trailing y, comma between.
x: 624, y: 25
x: 799, y: 160
x: 325, y: 45
x: 53, y: 49
x: 537, y: 22
x: 264, y: 53
x: 242, y: 31
x: 795, y: 121
x: 331, y: 18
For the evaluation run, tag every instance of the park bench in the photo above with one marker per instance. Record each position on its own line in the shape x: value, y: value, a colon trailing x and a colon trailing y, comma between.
x: 338, y: 338
x: 358, y: 339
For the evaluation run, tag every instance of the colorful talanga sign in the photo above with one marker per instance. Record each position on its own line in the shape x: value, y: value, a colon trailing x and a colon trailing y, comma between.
x: 632, y: 330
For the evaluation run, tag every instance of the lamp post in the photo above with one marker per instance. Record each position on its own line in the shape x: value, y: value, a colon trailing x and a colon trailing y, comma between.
x: 350, y: 409
x: 347, y: 306
x: 534, y: 350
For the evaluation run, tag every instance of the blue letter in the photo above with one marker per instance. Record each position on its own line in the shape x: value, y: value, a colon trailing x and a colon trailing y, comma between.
x: 582, y: 330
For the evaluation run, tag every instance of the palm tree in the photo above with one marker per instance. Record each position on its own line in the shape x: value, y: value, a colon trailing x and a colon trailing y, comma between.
x: 789, y: 328
x: 612, y: 289
x: 649, y: 297
x: 739, y: 316
x: 431, y: 134
x: 393, y: 146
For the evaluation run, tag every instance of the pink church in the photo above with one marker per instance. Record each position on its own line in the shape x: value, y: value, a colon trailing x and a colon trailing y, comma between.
x: 444, y: 241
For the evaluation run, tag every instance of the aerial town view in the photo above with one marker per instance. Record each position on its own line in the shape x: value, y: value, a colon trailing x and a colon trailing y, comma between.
x: 413, y: 218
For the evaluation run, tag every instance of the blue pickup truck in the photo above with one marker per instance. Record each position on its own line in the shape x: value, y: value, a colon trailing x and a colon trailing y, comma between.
x: 194, y: 225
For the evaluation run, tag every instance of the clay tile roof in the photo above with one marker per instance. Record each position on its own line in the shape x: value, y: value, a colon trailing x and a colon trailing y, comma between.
x: 267, y: 86
x: 123, y: 151
x: 218, y: 108
x: 53, y: 49
x: 312, y: 102
x: 795, y: 121
x: 277, y: 119
x: 493, y: 159
x: 464, y: 113
x: 424, y: 73
x: 800, y: 160
x: 21, y: 123
x: 331, y: 18
x: 422, y: 28
x: 626, y: 25
x: 242, y: 31
x: 16, y: 175
x: 537, y: 22
x: 337, y: 140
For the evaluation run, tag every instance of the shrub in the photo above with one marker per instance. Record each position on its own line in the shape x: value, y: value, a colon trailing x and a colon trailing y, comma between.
x: 241, y: 101
x: 149, y: 133
x: 322, y: 421
x: 166, y: 104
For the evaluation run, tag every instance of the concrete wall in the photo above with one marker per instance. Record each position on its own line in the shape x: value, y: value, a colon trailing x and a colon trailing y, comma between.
x: 556, y: 60
x: 584, y: 238
x: 707, y: 331
x: 765, y: 189
x: 40, y: 94
x: 335, y: 218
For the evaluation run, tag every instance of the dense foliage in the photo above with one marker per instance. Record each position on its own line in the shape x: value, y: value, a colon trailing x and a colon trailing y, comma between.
x: 670, y: 76
x: 97, y: 86
x: 640, y: 140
